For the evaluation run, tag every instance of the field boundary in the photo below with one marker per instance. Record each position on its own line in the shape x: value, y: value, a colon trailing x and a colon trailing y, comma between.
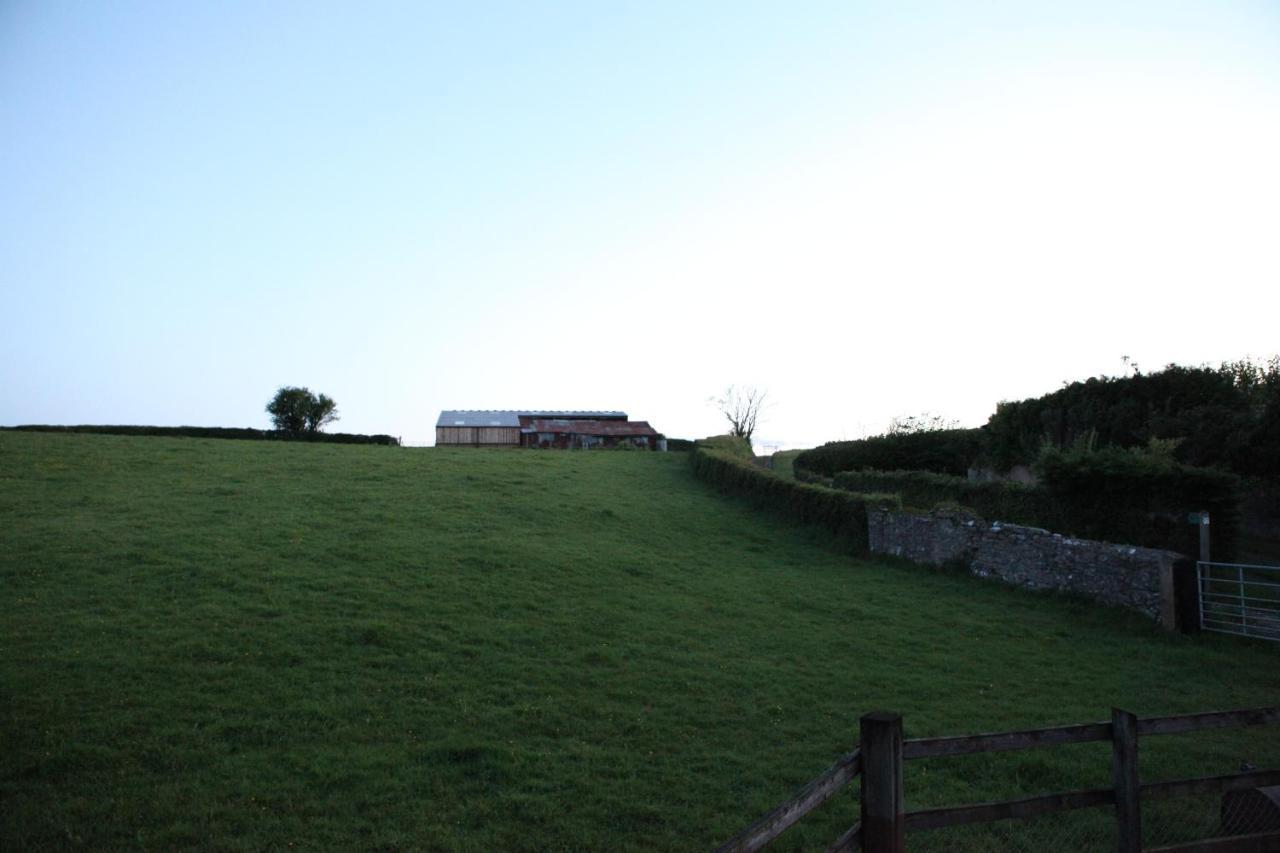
x: 884, y: 823
x: 235, y: 433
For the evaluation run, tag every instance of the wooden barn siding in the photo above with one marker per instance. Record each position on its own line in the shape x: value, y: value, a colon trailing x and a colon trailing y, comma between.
x: 478, y: 435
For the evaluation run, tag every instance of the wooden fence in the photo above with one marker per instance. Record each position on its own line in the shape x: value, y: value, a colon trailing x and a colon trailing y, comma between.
x: 884, y: 825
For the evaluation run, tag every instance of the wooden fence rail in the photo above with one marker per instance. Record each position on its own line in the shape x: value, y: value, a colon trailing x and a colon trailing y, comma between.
x: 884, y: 823
x: 937, y: 747
x: 808, y: 798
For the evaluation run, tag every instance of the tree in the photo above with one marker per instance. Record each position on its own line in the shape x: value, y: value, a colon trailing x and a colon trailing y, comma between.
x: 741, y: 407
x: 296, y: 411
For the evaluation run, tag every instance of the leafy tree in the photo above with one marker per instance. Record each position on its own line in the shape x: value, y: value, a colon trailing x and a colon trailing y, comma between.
x: 297, y: 411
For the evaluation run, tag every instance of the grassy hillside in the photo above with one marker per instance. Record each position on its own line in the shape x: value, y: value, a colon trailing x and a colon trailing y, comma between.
x: 241, y: 645
x: 784, y: 463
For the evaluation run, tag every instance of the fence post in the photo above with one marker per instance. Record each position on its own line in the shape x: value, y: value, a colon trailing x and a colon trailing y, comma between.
x: 883, y: 826
x: 1204, y: 536
x: 1124, y: 775
x: 1186, y: 592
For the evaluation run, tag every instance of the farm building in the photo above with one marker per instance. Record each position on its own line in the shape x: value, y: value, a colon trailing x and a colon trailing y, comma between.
x: 586, y: 433
x: 479, y: 428
x: 548, y: 429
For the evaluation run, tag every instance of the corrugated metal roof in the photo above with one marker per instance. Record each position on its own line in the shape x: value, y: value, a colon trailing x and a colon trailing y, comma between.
x: 511, y: 417
x: 590, y: 427
x: 479, y: 418
x: 553, y: 413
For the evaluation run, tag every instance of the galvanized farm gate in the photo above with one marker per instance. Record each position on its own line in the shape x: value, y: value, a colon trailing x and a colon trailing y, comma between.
x: 1239, y: 598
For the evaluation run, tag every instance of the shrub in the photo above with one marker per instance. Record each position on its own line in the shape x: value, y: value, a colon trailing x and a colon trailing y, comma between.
x: 726, y: 463
x: 1218, y: 415
x: 947, y: 451
x: 730, y: 444
x: 1141, y: 498
x: 1130, y: 497
x: 1262, y: 457
x: 1016, y: 503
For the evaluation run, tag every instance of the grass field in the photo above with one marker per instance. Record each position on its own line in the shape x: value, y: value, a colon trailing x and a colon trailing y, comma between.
x: 784, y: 463
x: 241, y: 645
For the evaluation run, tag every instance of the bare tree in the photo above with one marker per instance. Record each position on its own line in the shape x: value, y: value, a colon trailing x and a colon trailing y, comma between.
x: 741, y: 407
x: 927, y: 422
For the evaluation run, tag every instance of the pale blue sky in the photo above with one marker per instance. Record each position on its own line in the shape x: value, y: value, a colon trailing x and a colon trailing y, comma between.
x: 870, y: 209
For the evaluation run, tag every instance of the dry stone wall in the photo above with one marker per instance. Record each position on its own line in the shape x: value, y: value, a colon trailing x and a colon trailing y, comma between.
x: 1140, y: 579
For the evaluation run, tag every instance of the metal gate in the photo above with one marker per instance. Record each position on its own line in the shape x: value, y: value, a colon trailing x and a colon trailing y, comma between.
x: 1239, y: 598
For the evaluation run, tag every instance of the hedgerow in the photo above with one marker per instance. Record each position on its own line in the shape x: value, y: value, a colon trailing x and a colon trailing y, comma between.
x: 1141, y: 498
x: 246, y: 433
x: 1017, y: 503
x: 1133, y: 497
x: 1225, y: 417
x: 726, y: 463
x: 944, y: 451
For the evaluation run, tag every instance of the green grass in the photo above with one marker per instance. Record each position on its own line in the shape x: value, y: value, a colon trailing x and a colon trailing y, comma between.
x: 242, y: 645
x: 784, y: 463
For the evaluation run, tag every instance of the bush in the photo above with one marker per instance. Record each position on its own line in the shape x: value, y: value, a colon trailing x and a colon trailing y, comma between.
x: 726, y: 463
x: 946, y: 451
x: 246, y: 433
x: 680, y: 444
x: 1016, y: 503
x: 1262, y: 457
x: 1123, y: 496
x: 730, y: 444
x: 1218, y: 415
x: 1141, y: 498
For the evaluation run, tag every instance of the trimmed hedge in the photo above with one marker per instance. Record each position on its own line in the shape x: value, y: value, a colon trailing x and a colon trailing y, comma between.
x: 727, y: 463
x: 1016, y: 503
x: 247, y: 433
x: 947, y: 451
x: 1142, y: 499
x: 1127, y: 497
x: 1225, y: 417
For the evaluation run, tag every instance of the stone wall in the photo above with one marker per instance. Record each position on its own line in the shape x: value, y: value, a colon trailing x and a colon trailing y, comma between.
x: 1140, y: 579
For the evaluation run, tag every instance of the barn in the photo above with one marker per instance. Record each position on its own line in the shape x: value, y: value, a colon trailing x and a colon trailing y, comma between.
x: 588, y: 433
x: 479, y: 428
x: 549, y: 429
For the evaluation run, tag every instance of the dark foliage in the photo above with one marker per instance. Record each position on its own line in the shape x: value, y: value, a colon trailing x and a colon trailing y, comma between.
x: 297, y: 411
x: 1016, y: 503
x: 215, y: 432
x: 726, y: 463
x: 1141, y: 498
x: 947, y: 451
x: 680, y: 444
x: 1226, y: 417
x: 1262, y: 456
x: 1124, y: 496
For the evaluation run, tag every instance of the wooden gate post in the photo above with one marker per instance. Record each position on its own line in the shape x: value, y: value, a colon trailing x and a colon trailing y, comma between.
x: 1124, y: 775
x: 1186, y: 595
x: 884, y: 829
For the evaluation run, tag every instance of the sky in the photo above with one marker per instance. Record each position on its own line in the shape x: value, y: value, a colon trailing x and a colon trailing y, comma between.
x: 870, y: 210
